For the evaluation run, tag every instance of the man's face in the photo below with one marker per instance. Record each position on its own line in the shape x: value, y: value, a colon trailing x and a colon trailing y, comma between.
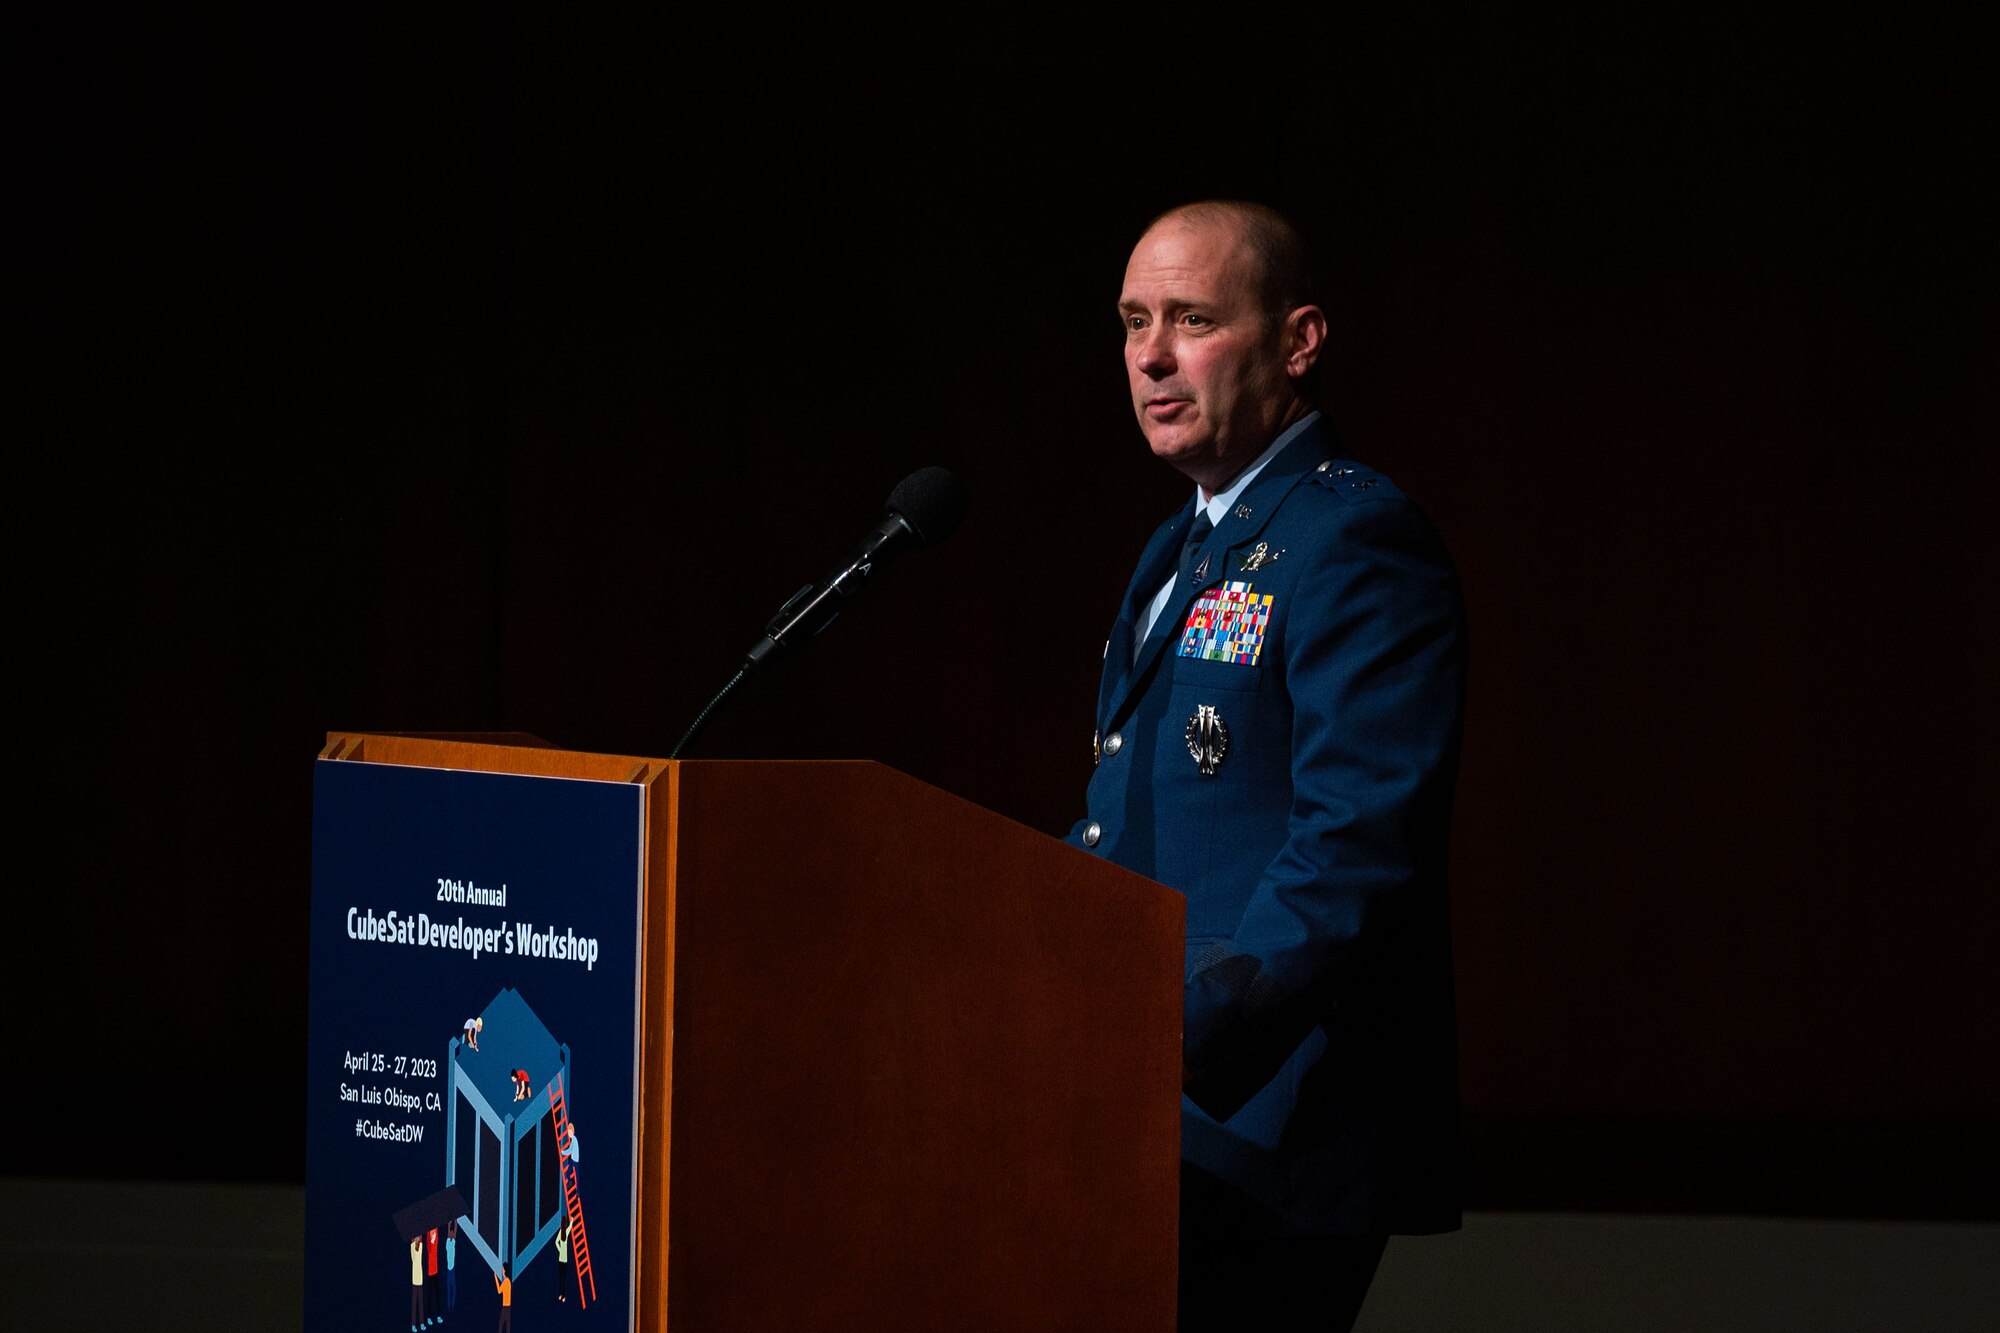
x: 1207, y: 366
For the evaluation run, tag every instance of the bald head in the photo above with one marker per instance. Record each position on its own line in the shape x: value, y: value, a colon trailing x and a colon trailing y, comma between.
x: 1281, y: 263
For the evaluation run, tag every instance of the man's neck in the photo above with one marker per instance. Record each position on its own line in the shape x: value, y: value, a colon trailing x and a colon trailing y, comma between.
x: 1297, y: 412
x: 1247, y: 473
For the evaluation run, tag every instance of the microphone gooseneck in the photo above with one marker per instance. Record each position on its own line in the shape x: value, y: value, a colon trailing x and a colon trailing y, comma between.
x: 923, y: 510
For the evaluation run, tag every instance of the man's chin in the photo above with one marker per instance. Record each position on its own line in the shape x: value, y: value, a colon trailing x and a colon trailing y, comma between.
x: 1171, y: 444
x: 1191, y: 458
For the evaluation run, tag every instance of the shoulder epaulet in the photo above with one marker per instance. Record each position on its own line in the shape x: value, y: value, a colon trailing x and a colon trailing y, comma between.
x: 1352, y: 481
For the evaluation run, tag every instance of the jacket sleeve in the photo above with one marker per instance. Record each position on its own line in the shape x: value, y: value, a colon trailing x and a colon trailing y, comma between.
x: 1373, y: 663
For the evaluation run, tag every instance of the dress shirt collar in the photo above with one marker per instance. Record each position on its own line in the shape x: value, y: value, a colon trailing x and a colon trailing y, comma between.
x: 1219, y: 506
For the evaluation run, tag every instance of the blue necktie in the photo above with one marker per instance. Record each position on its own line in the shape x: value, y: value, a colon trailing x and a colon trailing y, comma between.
x: 1196, y: 536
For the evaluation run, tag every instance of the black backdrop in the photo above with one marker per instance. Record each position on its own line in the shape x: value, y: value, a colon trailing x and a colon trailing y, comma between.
x: 476, y: 370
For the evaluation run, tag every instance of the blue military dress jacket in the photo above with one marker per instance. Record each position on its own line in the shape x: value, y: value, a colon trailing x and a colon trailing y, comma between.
x: 1313, y: 660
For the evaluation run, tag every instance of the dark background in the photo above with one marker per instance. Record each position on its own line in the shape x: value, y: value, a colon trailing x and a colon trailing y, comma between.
x: 470, y: 370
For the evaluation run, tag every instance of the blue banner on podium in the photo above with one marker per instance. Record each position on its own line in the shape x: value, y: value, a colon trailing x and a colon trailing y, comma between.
x: 474, y: 993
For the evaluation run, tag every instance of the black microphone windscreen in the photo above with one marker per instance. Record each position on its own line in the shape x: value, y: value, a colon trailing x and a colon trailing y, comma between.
x: 931, y: 501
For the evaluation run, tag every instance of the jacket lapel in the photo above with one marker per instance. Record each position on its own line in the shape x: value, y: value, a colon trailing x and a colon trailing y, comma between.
x: 1161, y: 556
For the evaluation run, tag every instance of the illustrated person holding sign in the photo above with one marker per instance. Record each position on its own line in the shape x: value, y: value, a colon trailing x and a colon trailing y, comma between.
x: 417, y: 1319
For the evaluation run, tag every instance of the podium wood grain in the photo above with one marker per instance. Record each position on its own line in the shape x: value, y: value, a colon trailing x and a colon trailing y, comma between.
x: 905, y: 1064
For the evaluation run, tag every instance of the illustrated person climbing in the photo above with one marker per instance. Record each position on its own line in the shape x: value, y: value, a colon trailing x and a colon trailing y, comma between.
x: 520, y: 1085
x: 473, y: 1027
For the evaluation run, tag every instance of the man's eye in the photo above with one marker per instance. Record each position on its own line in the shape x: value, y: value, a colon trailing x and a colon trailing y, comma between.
x: 1135, y: 322
x: 1193, y: 320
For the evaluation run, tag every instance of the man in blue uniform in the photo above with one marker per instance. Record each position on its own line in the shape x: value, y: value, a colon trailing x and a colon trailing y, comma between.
x: 1278, y: 731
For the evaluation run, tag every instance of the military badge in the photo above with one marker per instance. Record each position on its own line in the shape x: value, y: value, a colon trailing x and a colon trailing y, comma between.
x: 1258, y: 558
x: 1227, y: 624
x: 1207, y: 739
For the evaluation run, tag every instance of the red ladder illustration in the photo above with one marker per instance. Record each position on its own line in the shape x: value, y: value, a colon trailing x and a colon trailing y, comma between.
x: 572, y: 1201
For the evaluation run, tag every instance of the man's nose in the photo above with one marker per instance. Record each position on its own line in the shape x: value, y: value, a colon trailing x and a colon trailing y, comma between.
x: 1154, y: 355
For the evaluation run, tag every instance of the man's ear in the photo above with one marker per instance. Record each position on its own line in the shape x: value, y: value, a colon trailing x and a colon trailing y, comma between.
x: 1305, y: 338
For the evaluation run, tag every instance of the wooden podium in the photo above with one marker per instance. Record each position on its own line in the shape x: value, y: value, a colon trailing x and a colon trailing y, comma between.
x: 905, y: 1064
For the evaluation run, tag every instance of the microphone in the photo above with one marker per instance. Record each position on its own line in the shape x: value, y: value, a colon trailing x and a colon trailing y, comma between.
x: 923, y: 510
